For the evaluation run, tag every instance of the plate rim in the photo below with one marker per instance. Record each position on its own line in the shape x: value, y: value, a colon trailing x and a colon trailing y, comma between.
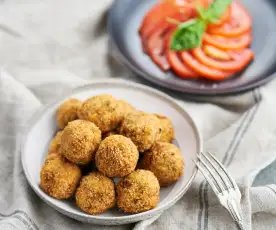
x: 166, y: 83
x: 123, y: 83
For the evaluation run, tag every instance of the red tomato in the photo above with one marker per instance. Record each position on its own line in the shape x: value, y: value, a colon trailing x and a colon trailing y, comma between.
x: 216, y: 53
x: 185, y: 5
x: 234, y: 65
x: 168, y: 36
x: 157, y: 15
x: 225, y: 43
x: 224, y: 46
x: 164, y: 24
x: 238, y: 54
x: 156, y: 48
x: 159, y: 31
x: 169, y: 8
x: 202, y: 70
x: 191, y: 6
x: 239, y: 23
x: 180, y: 68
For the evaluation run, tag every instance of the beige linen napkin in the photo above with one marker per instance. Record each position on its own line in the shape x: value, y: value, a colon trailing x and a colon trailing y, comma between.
x: 50, y: 47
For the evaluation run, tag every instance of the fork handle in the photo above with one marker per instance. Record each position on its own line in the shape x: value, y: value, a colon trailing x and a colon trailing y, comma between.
x: 241, y: 225
x: 235, y: 211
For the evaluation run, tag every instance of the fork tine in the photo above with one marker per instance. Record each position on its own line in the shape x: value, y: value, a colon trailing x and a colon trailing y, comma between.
x: 225, y: 181
x: 211, y: 183
x: 224, y: 170
x: 212, y: 174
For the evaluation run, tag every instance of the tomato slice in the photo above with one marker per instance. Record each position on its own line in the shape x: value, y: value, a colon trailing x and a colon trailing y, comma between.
x: 239, y: 23
x: 156, y: 13
x: 224, y: 49
x: 189, y: 4
x: 147, y: 41
x: 225, y: 43
x: 202, y: 70
x: 235, y: 65
x: 180, y: 68
x: 169, y: 8
x: 162, y: 23
x: 216, y: 53
x: 184, y: 6
x: 156, y: 48
x: 237, y: 54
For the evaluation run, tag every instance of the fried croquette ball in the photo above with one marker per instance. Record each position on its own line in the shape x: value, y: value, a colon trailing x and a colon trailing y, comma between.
x: 55, y: 143
x: 79, y: 142
x: 138, y: 192
x: 68, y: 112
x: 167, y: 134
x: 142, y: 128
x: 165, y: 161
x: 117, y: 156
x: 96, y: 193
x: 104, y: 111
x: 59, y: 178
x: 126, y: 107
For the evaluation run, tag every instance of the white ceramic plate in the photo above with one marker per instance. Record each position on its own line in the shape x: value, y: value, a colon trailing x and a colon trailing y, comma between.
x: 43, y: 127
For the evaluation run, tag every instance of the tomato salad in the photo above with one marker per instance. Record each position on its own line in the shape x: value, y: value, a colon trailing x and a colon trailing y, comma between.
x: 198, y: 38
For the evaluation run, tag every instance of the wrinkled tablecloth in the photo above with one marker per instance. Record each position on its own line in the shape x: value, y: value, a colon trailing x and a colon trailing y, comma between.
x: 49, y: 47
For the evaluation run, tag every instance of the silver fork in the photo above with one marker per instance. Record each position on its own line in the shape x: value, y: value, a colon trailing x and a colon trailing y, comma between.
x: 222, y: 184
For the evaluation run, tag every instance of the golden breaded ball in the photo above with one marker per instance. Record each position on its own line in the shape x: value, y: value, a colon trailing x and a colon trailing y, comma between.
x: 103, y: 110
x: 96, y: 193
x: 167, y: 134
x: 126, y: 107
x: 165, y: 161
x: 59, y: 178
x: 138, y: 192
x: 55, y: 143
x: 117, y: 156
x: 142, y: 128
x: 80, y: 140
x: 68, y: 112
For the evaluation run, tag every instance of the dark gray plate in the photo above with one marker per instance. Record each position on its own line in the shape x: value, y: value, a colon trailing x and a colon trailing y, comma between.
x: 125, y: 17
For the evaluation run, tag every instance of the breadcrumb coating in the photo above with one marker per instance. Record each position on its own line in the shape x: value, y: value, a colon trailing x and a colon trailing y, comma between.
x: 117, y: 156
x: 80, y: 140
x: 96, y: 193
x: 104, y: 111
x: 55, y: 143
x: 167, y: 134
x: 108, y: 135
x: 68, y: 112
x: 58, y: 177
x: 142, y: 128
x: 165, y: 161
x: 126, y: 107
x: 138, y: 192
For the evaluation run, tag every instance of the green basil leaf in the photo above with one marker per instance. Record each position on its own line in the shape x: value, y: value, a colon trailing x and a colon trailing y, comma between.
x: 188, y: 35
x: 214, y: 12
